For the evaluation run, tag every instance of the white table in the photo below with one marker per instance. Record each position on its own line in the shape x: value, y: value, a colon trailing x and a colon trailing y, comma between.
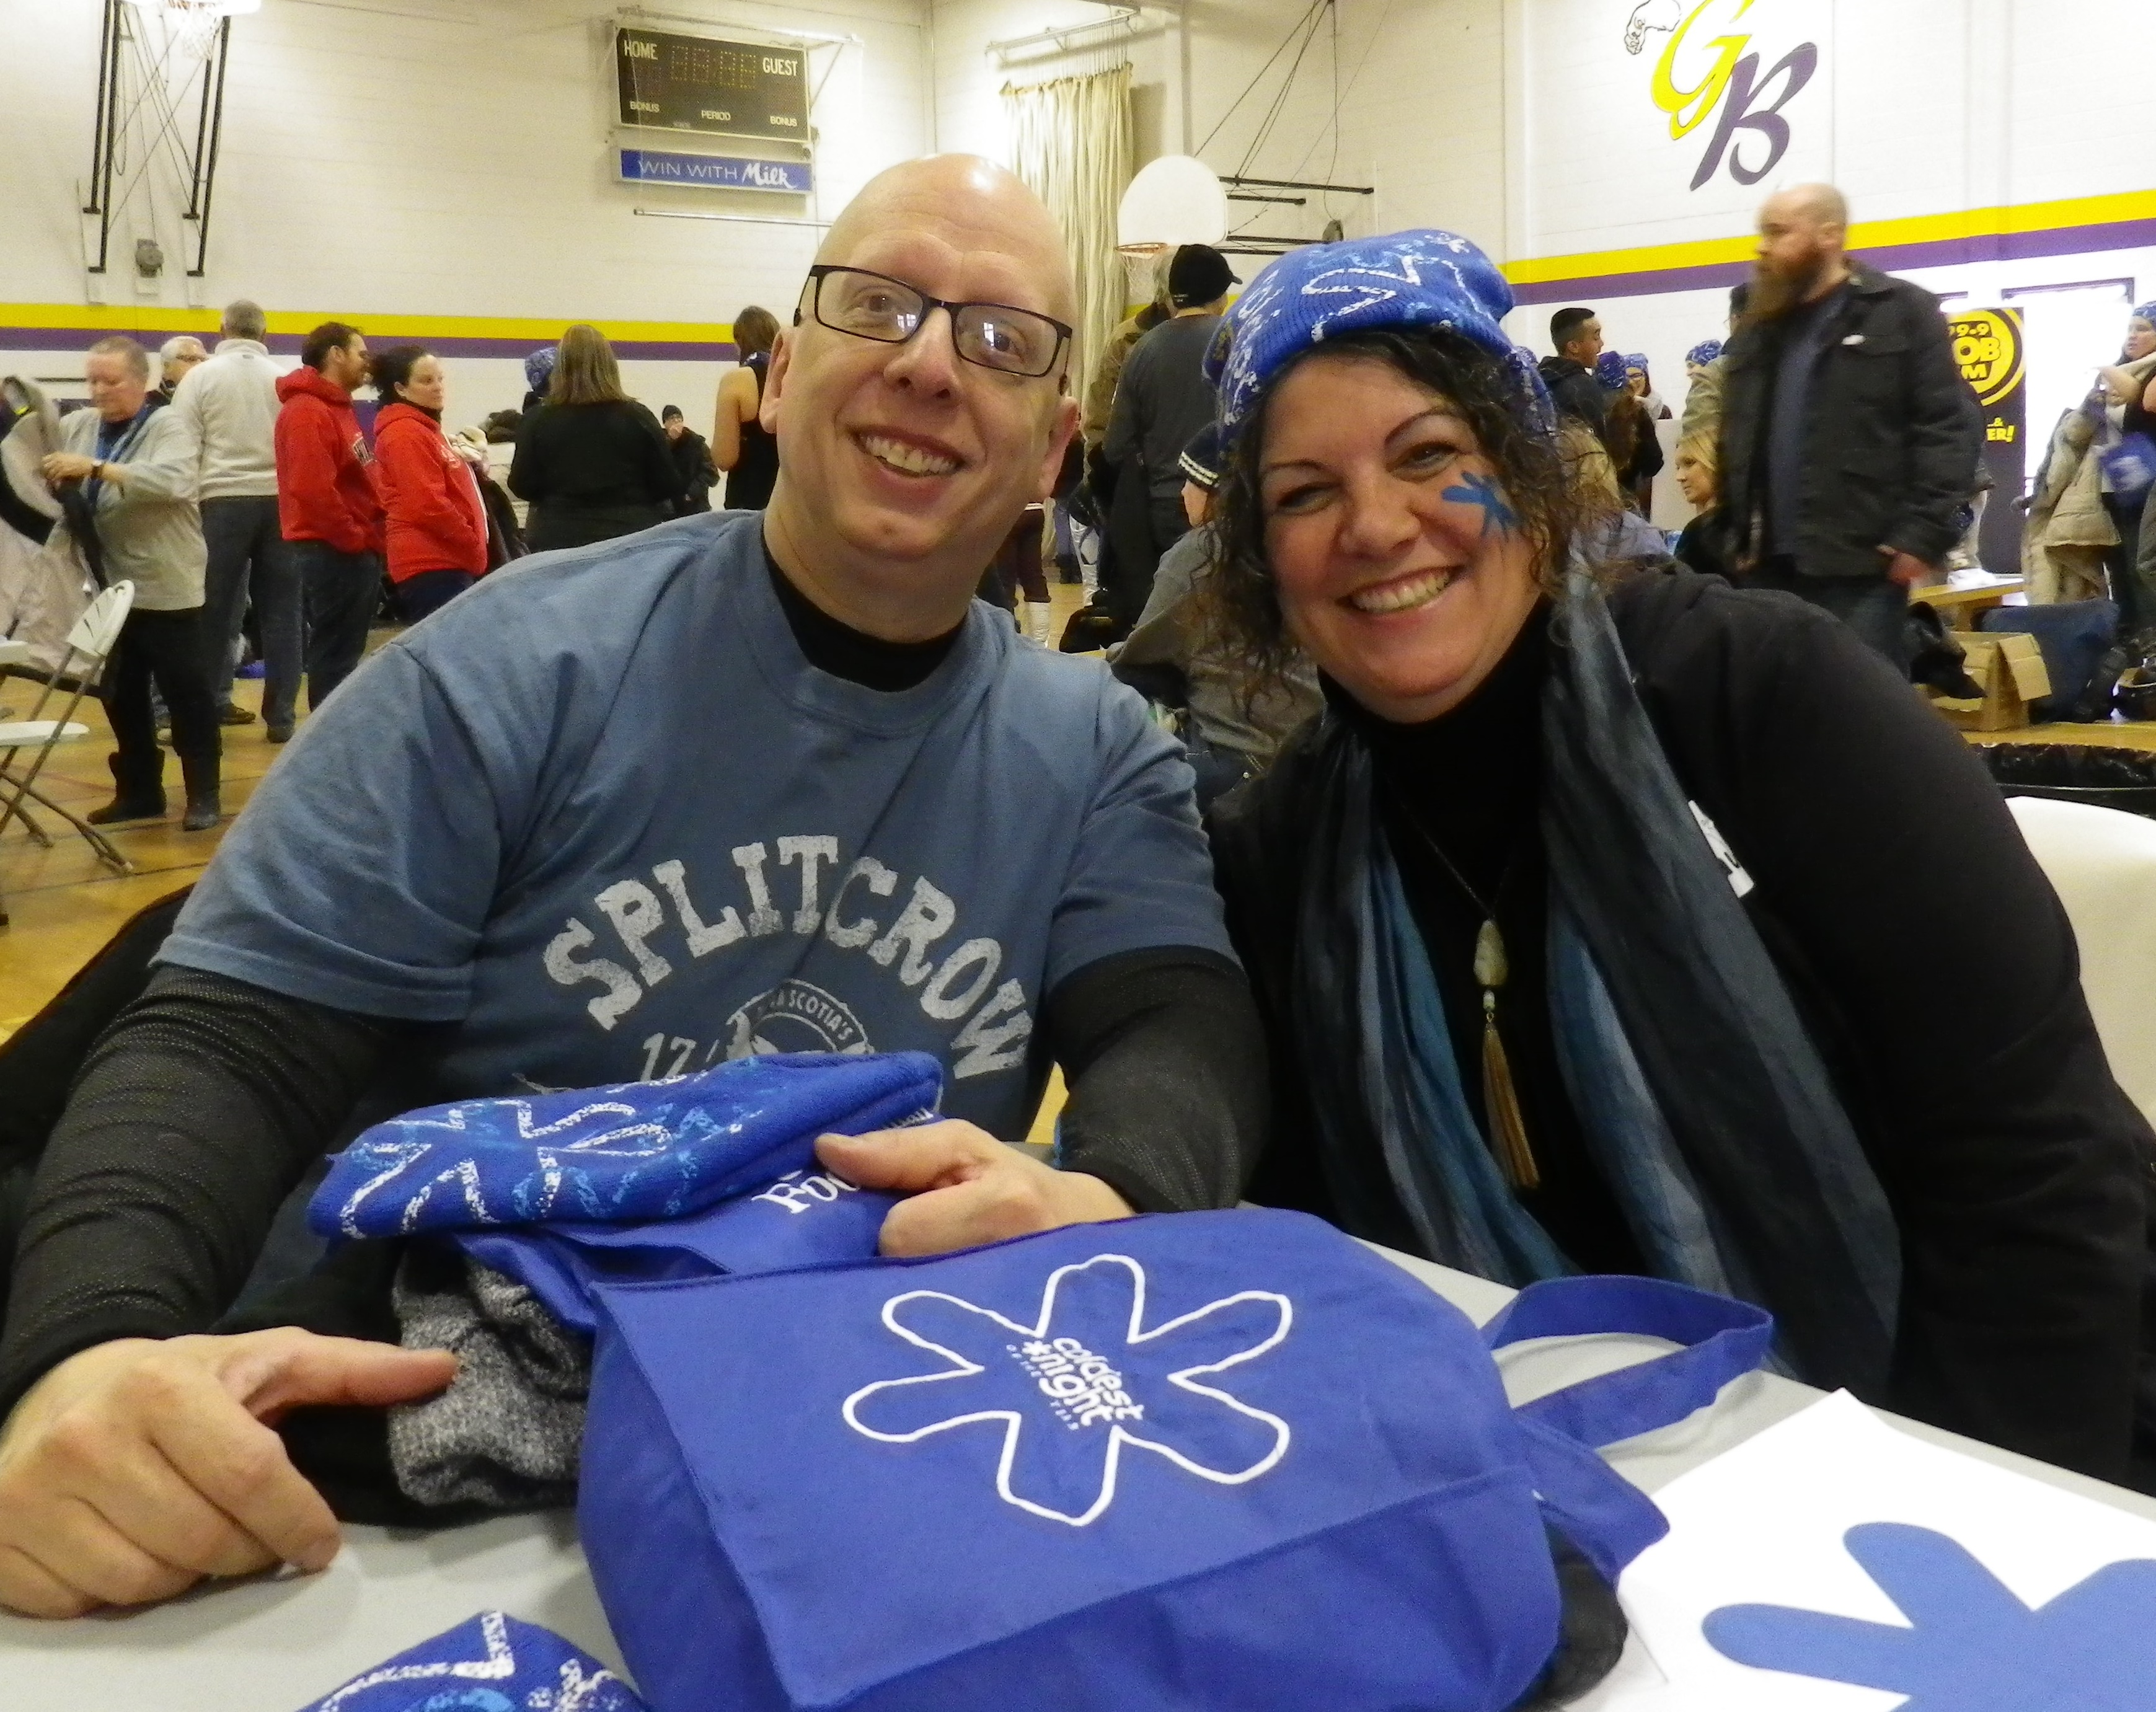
x: 12, y: 653
x: 273, y: 1645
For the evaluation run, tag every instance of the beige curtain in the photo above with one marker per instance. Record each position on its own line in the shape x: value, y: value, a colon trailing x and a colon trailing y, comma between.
x: 1072, y: 141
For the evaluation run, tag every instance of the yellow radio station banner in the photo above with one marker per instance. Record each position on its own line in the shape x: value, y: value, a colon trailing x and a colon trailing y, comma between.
x: 1989, y: 345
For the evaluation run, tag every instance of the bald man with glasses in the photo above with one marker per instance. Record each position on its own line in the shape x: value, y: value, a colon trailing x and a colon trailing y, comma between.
x: 745, y: 782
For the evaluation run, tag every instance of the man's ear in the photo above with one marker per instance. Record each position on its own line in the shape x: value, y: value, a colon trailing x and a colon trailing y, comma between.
x: 1064, y: 425
x: 774, y: 380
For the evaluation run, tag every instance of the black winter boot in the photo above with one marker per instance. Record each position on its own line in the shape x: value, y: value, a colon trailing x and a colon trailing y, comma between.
x: 202, y: 776
x: 138, y: 790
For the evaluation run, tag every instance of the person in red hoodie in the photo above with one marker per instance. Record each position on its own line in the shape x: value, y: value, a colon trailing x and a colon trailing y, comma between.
x: 327, y: 506
x: 436, y: 522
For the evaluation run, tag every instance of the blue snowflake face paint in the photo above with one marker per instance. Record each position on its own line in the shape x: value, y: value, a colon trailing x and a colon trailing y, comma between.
x: 1476, y: 489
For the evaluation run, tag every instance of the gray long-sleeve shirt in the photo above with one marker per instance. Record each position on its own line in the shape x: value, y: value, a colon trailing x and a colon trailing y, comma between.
x: 148, y: 524
x: 1161, y: 400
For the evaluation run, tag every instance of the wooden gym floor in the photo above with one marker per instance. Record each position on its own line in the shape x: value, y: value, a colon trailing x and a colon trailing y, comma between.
x: 64, y: 903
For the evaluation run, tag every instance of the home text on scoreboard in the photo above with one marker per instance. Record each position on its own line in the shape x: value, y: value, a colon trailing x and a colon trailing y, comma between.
x: 721, y: 89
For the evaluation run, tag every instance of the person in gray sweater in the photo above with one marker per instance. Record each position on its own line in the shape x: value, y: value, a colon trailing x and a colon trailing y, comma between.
x: 138, y: 469
x: 229, y: 404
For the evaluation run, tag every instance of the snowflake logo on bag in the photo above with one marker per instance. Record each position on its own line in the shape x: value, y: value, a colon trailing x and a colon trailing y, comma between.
x: 1082, y: 1383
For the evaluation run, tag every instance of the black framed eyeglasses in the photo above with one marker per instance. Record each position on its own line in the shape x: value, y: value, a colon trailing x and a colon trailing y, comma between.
x: 1010, y: 341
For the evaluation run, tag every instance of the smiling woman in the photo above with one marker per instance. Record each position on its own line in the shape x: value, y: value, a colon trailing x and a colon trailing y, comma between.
x: 1618, y: 924
x: 1379, y: 438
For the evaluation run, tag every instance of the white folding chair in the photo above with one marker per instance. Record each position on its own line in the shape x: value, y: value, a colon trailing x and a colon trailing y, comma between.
x: 2102, y: 864
x: 90, y: 644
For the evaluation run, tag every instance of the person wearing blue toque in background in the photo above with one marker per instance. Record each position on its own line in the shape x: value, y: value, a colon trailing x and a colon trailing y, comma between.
x: 1620, y: 923
x: 748, y: 782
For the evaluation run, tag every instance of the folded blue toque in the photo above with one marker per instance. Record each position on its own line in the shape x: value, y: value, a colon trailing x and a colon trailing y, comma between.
x: 492, y: 1663
x: 633, y: 1152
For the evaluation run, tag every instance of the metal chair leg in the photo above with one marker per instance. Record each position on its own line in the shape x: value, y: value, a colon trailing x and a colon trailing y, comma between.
x: 108, y: 852
x: 16, y: 810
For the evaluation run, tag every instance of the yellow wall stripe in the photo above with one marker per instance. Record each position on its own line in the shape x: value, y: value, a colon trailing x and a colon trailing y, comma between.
x: 1864, y: 234
x: 123, y: 317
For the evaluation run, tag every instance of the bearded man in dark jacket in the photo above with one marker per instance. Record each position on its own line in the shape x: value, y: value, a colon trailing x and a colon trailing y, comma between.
x: 1848, y: 440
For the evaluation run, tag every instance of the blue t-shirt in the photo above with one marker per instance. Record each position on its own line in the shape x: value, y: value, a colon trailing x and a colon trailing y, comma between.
x: 601, y: 819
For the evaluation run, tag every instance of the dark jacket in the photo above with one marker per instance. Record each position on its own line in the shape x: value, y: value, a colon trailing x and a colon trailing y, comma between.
x: 1891, y: 432
x: 2014, y: 1164
x: 692, y: 463
x: 1575, y: 391
x: 591, y: 472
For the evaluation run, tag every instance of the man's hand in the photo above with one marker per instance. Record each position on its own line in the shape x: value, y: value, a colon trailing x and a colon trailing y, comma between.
x: 1905, y: 568
x: 136, y: 1468
x: 68, y: 466
x: 967, y: 1187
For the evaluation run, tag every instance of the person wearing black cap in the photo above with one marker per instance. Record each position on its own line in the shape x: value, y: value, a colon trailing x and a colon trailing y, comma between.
x: 1161, y: 400
x: 1172, y: 656
x: 692, y: 461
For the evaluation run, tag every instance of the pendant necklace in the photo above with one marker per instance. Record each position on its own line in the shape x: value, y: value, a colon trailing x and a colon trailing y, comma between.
x: 1501, y: 1100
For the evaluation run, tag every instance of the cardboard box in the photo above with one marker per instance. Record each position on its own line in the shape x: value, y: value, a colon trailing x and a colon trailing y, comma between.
x: 2010, y: 668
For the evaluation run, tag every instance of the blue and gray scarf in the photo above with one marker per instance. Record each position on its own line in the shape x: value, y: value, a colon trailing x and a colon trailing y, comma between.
x: 1700, y: 1094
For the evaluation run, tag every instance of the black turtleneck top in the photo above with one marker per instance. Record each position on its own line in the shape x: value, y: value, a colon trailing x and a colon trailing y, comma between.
x: 1469, y: 784
x: 836, y: 648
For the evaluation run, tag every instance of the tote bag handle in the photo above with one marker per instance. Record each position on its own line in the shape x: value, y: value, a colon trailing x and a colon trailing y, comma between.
x: 1721, y: 1340
x: 1601, y: 1512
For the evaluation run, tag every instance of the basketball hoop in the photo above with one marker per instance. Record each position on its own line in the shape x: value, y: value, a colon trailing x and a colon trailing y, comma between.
x: 1175, y: 200
x: 190, y: 26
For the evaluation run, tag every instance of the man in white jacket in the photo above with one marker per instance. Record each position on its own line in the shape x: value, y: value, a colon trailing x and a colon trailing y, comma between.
x: 229, y: 404
x: 136, y: 468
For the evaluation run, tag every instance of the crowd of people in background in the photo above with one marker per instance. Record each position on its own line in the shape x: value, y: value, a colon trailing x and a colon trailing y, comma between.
x: 1806, y: 470
x: 252, y: 507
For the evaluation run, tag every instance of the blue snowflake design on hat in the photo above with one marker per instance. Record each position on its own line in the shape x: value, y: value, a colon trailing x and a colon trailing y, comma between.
x: 1083, y: 1382
x: 492, y: 1663
x: 1703, y: 353
x: 2147, y: 313
x: 1609, y: 370
x: 1424, y: 277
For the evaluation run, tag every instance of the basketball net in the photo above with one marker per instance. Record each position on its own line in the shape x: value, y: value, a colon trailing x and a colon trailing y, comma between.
x: 186, y: 31
x: 1142, y: 266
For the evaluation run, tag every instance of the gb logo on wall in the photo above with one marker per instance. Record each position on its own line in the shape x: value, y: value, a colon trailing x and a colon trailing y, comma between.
x: 1709, y: 68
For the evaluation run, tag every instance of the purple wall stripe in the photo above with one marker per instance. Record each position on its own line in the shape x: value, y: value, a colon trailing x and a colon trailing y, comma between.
x: 1941, y: 253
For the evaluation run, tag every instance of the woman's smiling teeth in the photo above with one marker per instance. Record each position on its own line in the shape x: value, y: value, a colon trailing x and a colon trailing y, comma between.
x: 1403, y: 593
x: 907, y: 457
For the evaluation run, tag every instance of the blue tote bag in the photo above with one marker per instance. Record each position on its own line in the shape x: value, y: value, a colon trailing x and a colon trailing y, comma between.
x: 1210, y: 1460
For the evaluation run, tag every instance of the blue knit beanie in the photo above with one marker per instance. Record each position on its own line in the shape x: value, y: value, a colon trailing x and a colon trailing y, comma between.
x: 1419, y: 279
x: 1609, y: 370
x: 1702, y: 353
x: 539, y: 366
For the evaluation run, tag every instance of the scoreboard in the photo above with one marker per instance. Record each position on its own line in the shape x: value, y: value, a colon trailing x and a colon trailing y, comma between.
x: 720, y: 88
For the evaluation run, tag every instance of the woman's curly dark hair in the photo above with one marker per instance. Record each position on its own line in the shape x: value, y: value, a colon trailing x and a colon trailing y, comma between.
x: 1243, y: 615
